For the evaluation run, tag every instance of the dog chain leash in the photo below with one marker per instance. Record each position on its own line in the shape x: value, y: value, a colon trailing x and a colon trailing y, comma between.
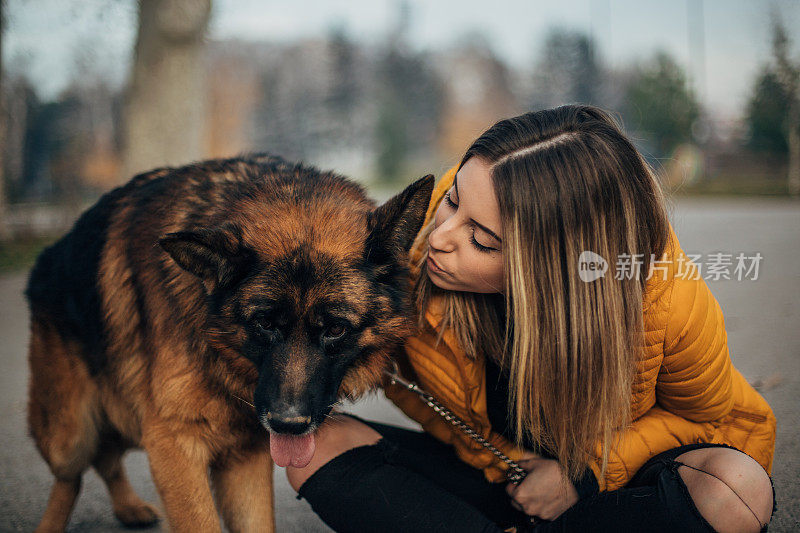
x: 517, y: 474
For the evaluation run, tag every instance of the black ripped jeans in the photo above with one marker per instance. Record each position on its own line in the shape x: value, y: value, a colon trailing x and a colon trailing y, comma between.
x: 410, y: 482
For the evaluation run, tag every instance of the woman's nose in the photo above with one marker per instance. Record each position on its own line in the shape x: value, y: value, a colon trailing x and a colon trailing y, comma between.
x: 442, y: 238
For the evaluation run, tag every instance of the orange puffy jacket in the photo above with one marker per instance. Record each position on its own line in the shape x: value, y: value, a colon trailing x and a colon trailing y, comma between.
x: 685, y: 390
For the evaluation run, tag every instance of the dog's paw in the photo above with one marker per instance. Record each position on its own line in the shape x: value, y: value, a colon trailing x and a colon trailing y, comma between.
x: 139, y: 514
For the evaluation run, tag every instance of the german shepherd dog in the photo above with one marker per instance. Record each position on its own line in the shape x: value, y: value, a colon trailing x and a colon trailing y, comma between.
x: 213, y: 314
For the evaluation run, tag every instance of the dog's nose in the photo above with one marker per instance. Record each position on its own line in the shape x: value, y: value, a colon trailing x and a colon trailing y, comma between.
x: 294, y: 425
x: 286, y: 417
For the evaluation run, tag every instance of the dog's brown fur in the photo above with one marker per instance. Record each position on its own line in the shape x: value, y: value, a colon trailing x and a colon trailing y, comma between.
x: 136, y: 344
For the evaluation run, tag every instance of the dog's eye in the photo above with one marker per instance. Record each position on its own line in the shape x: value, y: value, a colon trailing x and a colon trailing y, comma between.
x: 335, y: 332
x: 263, y: 322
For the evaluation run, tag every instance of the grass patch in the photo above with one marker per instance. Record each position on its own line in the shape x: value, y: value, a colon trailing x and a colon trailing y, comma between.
x: 734, y: 187
x: 20, y: 254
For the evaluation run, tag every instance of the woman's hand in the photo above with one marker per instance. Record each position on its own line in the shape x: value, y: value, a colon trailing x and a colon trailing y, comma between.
x: 545, y: 492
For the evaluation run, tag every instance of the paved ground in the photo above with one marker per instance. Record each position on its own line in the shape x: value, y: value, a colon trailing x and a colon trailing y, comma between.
x: 762, y: 318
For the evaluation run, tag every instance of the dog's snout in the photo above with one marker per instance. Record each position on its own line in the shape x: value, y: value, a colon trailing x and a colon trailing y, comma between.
x: 285, y: 417
x: 294, y: 425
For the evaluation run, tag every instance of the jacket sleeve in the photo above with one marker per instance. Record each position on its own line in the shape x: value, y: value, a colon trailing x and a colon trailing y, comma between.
x: 696, y: 378
x: 694, y: 388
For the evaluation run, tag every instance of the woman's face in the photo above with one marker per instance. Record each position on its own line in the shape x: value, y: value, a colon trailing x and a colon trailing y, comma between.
x: 466, y: 242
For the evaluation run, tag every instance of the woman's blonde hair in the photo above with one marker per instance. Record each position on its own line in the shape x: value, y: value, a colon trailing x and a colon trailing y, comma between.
x: 567, y: 180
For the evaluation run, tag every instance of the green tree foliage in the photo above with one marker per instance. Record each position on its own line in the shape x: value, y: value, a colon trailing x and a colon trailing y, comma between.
x: 787, y: 74
x: 660, y: 105
x: 766, y: 114
x: 410, y: 104
x: 393, y: 147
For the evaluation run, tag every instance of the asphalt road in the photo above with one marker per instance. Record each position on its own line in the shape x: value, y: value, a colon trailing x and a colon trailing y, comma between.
x: 762, y: 318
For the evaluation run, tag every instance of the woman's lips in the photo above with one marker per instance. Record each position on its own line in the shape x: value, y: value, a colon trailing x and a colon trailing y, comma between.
x: 433, y: 265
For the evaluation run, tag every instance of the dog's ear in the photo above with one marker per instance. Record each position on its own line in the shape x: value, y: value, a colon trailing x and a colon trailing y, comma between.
x: 394, y: 225
x: 215, y: 255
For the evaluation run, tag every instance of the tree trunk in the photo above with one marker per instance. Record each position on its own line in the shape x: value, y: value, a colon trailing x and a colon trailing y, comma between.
x: 789, y: 76
x: 165, y: 104
x: 794, y: 152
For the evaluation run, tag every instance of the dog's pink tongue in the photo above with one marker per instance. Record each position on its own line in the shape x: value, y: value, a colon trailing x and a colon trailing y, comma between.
x: 291, y: 449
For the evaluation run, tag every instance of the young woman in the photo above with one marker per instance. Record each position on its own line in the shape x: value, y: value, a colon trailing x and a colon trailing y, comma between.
x: 578, y: 339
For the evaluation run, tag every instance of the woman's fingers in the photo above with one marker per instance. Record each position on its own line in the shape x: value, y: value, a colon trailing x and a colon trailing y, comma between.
x: 510, y: 489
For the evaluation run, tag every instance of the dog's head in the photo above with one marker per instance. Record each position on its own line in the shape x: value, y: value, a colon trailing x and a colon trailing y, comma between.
x: 307, y: 293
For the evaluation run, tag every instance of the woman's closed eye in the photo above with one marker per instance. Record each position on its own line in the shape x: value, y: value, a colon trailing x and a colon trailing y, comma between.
x: 478, y: 246
x: 450, y: 201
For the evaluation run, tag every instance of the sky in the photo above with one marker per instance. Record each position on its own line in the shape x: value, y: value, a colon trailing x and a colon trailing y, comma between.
x: 722, y: 43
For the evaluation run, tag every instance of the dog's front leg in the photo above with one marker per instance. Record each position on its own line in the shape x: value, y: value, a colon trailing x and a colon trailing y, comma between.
x: 243, y: 486
x: 179, y: 465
